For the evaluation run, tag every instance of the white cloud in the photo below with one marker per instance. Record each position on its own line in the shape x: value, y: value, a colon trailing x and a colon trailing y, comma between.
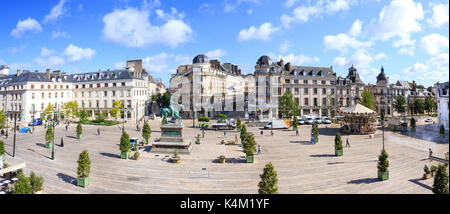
x: 262, y: 33
x: 342, y: 42
x: 407, y: 51
x: 50, y: 62
x: 399, y: 18
x: 361, y: 59
x: 228, y: 8
x: 56, y: 12
x: 131, y: 28
x: 76, y: 54
x: 440, y: 62
x: 26, y: 25
x: 356, y: 28
x: 169, y: 16
x: 216, y: 54
x: 285, y: 46
x: 338, y: 5
x: 300, y: 14
x: 250, y: 11
x: 56, y: 34
x: 290, y: 3
x: 46, y: 52
x: 434, y: 43
x: 296, y: 60
x: 416, y: 68
x: 440, y: 15
x: 157, y: 63
x: 15, y: 50
x: 119, y: 65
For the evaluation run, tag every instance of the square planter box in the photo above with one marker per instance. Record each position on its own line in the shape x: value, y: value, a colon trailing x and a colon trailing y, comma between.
x: 79, y: 136
x: 48, y: 145
x: 383, y: 175
x: 427, y: 176
x: 339, y: 152
x: 83, y: 182
x: 295, y: 129
x: 124, y: 155
x: 316, y: 140
x: 250, y: 159
x: 222, y: 160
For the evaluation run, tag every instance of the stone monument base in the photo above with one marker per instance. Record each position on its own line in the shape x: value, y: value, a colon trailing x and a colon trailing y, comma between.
x: 171, y: 141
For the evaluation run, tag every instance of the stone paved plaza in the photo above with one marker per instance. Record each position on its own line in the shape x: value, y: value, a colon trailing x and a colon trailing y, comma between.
x: 302, y: 168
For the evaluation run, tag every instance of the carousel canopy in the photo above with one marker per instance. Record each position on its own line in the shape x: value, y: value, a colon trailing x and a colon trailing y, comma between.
x: 357, y: 109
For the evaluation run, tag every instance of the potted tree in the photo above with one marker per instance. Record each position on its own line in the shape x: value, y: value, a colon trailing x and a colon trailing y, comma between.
x: 413, y: 125
x: 249, y: 148
x: 269, y: 180
x: 49, y: 137
x: 238, y: 124
x: 383, y: 164
x: 146, y: 132
x: 243, y: 133
x: 440, y: 183
x: 222, y: 159
x: 197, y: 139
x: 433, y: 170
x: 79, y: 131
x: 175, y: 157
x: 2, y: 150
x: 23, y: 185
x: 37, y: 183
x: 315, y: 132
x: 442, y: 131
x: 136, y: 155
x: 338, y: 148
x: 124, y: 145
x: 427, y: 172
x: 84, y: 168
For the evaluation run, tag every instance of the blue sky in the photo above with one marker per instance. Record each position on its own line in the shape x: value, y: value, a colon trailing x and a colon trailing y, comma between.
x: 408, y: 37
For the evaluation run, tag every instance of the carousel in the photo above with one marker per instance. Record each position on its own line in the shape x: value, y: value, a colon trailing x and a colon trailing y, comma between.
x: 358, y: 119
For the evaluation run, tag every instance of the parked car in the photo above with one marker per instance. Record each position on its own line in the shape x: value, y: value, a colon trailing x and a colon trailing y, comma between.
x: 301, y: 121
x: 326, y: 120
x: 309, y: 121
x: 318, y: 120
x: 428, y: 120
x: 36, y: 122
x: 133, y: 141
x: 26, y: 130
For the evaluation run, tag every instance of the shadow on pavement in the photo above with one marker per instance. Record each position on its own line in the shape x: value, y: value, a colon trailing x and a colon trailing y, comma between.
x: 72, y: 137
x: 322, y: 156
x: 67, y: 178
x: 110, y: 155
x: 302, y: 142
x: 41, y: 145
x: 416, y: 181
x: 364, y: 181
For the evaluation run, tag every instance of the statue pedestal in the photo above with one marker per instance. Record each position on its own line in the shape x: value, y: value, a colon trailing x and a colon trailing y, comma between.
x: 171, y: 140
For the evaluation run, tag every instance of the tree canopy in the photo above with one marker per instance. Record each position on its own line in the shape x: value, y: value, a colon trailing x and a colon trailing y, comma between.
x: 400, y: 104
x: 287, y: 107
x: 163, y: 100
x: 70, y: 108
x: 367, y: 100
x: 269, y: 180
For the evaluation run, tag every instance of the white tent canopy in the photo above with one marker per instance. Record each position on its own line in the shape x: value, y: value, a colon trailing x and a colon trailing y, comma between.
x: 358, y: 109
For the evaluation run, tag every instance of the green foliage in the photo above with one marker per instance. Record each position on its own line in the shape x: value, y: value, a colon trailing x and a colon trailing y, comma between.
x: 125, y: 142
x: 418, y: 106
x: 400, y: 104
x: 223, y: 116
x: 49, y: 134
x: 146, y: 131
x: 203, y: 119
x: 154, y: 97
x: 426, y: 169
x: 197, y: 139
x: 338, y: 142
x: 2, y: 147
x: 434, y: 168
x: 48, y: 112
x: 101, y: 118
x: 116, y: 110
x: 70, y: 108
x: 413, y: 122
x: 136, y: 155
x: 23, y: 186
x: 367, y: 100
x: 83, y: 115
x: 5, y: 165
x: 238, y: 122
x: 249, y: 144
x: 287, y: 106
x: 243, y: 132
x: 79, y: 129
x: 442, y: 129
x: 383, y: 162
x: 421, y: 87
x: 440, y: 184
x: 163, y: 100
x: 315, y: 130
x: 84, y: 164
x: 430, y: 105
x: 96, y: 123
x: 37, y: 182
x: 2, y: 117
x: 295, y: 123
x: 269, y: 180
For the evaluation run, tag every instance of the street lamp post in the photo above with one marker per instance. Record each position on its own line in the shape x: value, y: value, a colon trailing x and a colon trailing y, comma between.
x: 53, y: 147
x: 14, y: 141
x: 32, y: 121
x: 123, y: 118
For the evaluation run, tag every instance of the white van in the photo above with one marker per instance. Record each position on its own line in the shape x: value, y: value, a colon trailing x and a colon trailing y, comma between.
x: 277, y: 124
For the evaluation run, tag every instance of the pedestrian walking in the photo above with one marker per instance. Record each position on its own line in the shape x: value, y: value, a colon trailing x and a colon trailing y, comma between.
x: 67, y: 127
x: 224, y: 134
x: 430, y: 152
x: 296, y: 133
x: 259, y: 149
x: 62, y: 142
x: 271, y: 133
x: 6, y: 134
x: 262, y: 133
x: 98, y: 131
x: 347, y: 144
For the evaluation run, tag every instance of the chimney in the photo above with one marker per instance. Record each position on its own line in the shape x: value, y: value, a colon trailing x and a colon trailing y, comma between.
x: 47, y: 72
x: 18, y: 72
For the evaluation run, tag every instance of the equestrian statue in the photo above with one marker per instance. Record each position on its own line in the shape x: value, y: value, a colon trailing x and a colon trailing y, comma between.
x: 173, y: 110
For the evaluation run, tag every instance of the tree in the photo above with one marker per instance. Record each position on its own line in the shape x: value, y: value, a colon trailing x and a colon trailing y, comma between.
x: 101, y: 117
x: 154, y: 97
x: 249, y: 144
x: 419, y: 106
x: 287, y: 106
x: 338, y: 142
x: 116, y: 109
x: 269, y: 180
x: 223, y: 116
x: 383, y: 162
x: 36, y: 182
x: 421, y: 87
x: 440, y: 184
x: 163, y: 100
x: 146, y: 131
x: 83, y: 115
x: 2, y: 148
x: 70, y: 108
x: 239, y: 122
x: 400, y: 104
x: 295, y: 124
x: 333, y: 104
x: 2, y: 117
x: 49, y: 134
x: 48, y: 112
x: 23, y: 185
x: 413, y: 122
x: 79, y: 129
x: 442, y: 129
x: 315, y: 132
x: 125, y: 142
x: 367, y: 100
x: 84, y: 164
x: 243, y: 133
x: 430, y: 104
